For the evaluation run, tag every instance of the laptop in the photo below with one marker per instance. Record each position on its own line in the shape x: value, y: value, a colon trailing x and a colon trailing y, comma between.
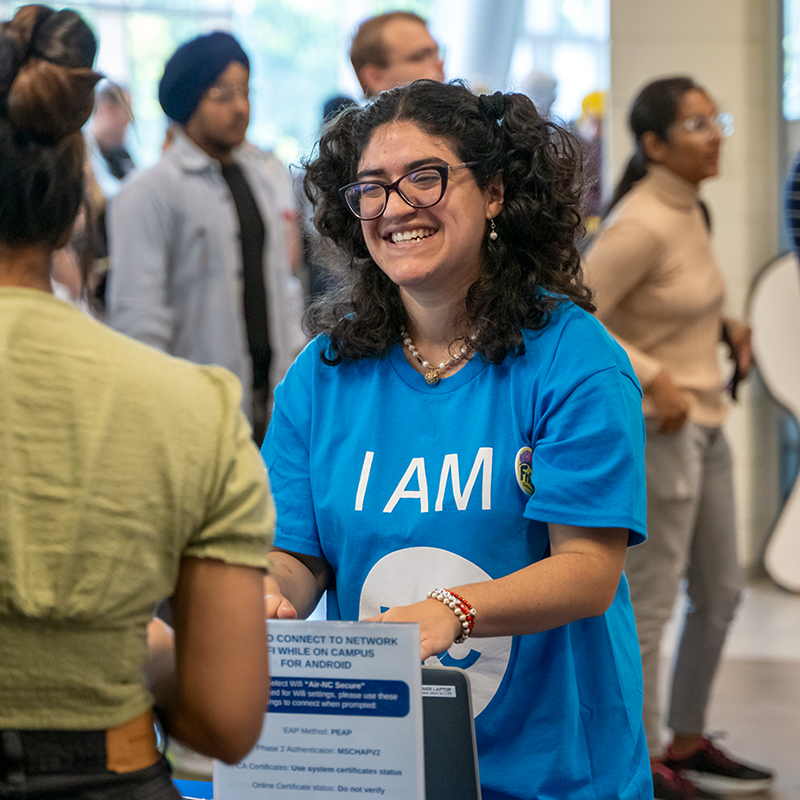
x: 451, y: 758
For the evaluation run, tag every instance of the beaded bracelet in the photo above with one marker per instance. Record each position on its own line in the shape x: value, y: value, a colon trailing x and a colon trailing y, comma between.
x: 461, y: 608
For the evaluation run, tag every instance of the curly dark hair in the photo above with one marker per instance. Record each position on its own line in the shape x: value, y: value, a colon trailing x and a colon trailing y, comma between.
x: 46, y: 95
x: 540, y: 167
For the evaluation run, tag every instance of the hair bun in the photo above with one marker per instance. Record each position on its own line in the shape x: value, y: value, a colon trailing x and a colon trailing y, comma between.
x: 46, y: 80
x: 11, y: 55
x: 51, y: 102
x: 64, y: 38
x: 16, y: 37
x: 494, y: 105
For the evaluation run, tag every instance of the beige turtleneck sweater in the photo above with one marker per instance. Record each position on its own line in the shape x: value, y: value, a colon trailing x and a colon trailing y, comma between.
x: 659, y: 290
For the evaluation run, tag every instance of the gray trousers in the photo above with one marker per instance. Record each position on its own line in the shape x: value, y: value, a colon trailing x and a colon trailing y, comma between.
x: 691, y: 528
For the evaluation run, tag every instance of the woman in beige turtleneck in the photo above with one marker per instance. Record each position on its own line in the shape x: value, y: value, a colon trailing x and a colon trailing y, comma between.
x: 660, y: 291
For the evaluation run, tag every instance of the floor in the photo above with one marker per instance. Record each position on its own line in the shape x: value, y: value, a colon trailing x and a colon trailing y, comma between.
x: 756, y: 697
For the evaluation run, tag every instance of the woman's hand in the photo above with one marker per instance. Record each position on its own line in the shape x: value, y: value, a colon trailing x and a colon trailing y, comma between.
x: 741, y: 346
x: 438, y: 625
x: 276, y: 606
x: 299, y: 577
x: 671, y: 404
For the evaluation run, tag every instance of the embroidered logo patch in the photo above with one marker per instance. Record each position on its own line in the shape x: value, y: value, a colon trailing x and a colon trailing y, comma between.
x: 523, y: 469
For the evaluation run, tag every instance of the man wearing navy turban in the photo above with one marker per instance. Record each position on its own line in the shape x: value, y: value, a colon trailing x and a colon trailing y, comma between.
x: 198, y: 253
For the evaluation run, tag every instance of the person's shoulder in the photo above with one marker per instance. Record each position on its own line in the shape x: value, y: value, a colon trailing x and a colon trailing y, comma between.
x: 313, y: 351
x: 316, y: 369
x: 574, y: 336
x: 639, y: 210
x: 632, y: 227
x: 158, y: 180
x: 181, y: 385
x: 564, y: 321
x: 309, y: 362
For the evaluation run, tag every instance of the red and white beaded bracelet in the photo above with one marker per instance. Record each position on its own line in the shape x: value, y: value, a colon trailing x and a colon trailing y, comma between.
x: 461, y: 608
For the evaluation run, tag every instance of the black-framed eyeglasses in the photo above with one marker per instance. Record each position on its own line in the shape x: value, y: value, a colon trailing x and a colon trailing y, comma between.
x: 420, y: 188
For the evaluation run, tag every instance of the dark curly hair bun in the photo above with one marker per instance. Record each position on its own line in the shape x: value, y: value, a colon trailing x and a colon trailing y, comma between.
x: 493, y: 105
x: 46, y: 77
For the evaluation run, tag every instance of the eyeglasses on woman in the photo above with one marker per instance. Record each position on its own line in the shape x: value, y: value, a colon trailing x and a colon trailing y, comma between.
x: 420, y: 188
x: 708, y: 125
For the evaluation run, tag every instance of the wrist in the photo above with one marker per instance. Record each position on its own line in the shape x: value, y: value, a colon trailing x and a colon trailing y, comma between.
x: 464, y: 612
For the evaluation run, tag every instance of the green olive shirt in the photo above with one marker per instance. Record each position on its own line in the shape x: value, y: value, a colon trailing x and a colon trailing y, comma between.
x: 115, y: 462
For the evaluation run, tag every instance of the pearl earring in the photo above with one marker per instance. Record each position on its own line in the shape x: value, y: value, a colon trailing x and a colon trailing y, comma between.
x: 493, y: 232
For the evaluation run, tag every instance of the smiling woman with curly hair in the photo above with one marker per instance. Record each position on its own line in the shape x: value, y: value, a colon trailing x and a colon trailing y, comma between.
x: 538, y: 165
x: 462, y: 444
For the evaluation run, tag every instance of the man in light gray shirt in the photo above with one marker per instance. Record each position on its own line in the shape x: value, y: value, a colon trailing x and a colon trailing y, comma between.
x: 201, y: 267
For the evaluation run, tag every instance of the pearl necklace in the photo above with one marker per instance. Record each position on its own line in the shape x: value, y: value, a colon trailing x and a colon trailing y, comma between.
x: 433, y: 374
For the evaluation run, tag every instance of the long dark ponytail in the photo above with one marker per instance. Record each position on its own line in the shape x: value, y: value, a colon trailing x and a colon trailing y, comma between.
x: 654, y: 109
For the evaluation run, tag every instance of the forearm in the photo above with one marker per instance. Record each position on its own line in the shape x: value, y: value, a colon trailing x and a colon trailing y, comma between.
x: 211, y: 682
x: 162, y: 681
x: 644, y: 365
x: 572, y: 584
x: 578, y: 580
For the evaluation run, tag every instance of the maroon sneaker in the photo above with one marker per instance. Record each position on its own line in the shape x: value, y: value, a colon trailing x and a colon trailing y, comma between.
x: 711, y: 770
x: 668, y: 785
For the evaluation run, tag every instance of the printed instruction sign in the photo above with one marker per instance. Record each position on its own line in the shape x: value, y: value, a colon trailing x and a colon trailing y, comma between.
x: 344, y: 717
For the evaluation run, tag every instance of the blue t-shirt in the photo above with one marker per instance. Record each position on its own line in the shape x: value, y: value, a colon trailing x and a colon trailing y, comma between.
x: 403, y: 487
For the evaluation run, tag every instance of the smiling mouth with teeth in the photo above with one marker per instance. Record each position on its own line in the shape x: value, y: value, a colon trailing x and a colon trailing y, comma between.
x: 412, y: 236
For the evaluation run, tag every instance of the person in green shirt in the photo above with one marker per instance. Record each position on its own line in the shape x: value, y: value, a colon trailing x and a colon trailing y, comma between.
x: 126, y: 477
